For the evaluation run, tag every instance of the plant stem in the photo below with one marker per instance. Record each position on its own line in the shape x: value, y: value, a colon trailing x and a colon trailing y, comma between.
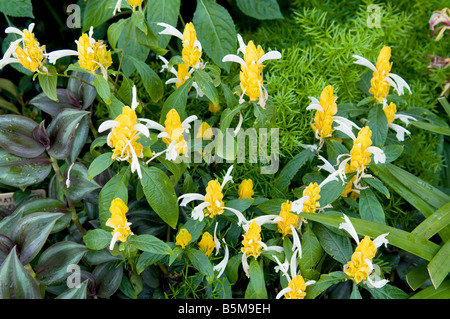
x: 72, y: 77
x: 69, y: 201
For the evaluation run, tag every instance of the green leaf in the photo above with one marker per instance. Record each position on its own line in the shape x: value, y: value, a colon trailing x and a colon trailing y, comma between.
x: 97, y: 239
x: 414, y: 244
x: 61, y: 132
x: 52, y: 265
x: 9, y: 106
x: 165, y: 11
x: 392, y: 152
x: 444, y: 130
x: 205, y: 83
x: 260, y: 9
x: 418, y: 276
x: 160, y: 194
x: 177, y: 169
x: 330, y: 192
x: 257, y: 281
x: 200, y: 262
x: 99, y: 164
x: 31, y: 233
x: 177, y: 100
x: 434, y: 223
x: 271, y: 206
x: 48, y: 83
x: 289, y: 170
x: 17, y: 8
x: 387, y: 292
x: 311, y: 250
x: 16, y: 136
x: 325, y: 281
x: 108, y: 277
x: 114, y: 31
x: 138, y: 19
x: 370, y: 208
x: 439, y: 267
x: 378, y: 185
x: 443, y: 292
x: 377, y: 121
x: 215, y: 30
x: 15, y: 281
x: 116, y: 187
x: 146, y: 259
x: 336, y: 246
x: 149, y: 244
x: 355, y: 292
x: 79, y: 184
x: 152, y: 83
x: 97, y: 12
x: 75, y: 293
x: 22, y: 172
x: 103, y: 89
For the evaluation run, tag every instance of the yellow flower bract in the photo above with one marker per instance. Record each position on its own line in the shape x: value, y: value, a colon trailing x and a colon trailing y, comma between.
x: 357, y: 269
x: 93, y: 54
x: 390, y: 111
x: 191, y: 54
x: 206, y: 244
x: 251, y: 74
x: 118, y: 220
x: 213, y: 194
x: 298, y: 286
x: 360, y: 157
x: 245, y: 189
x: 379, y: 86
x: 324, y: 120
x: 183, y: 238
x: 250, y: 243
x: 31, y: 55
x: 175, y: 130
x: 313, y: 192
x: 284, y: 226
x: 124, y: 134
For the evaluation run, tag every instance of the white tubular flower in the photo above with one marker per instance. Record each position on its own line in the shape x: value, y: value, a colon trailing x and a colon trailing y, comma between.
x: 223, y: 264
x: 211, y: 203
x: 296, y: 288
x: 360, y: 267
x: 251, y: 75
x: 124, y: 135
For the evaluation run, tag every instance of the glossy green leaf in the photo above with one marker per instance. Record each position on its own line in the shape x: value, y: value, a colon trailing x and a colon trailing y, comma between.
x: 260, y: 9
x: 99, y: 164
x: 165, y: 11
x: 31, y: 232
x: 48, y: 82
x: 432, y: 127
x: 79, y: 184
x: 97, y: 239
x: 200, y: 262
x: 378, y: 124
x: 177, y: 100
x: 370, y: 208
x: 152, y: 83
x: 146, y: 259
x: 15, y: 281
x: 97, y: 12
x: 108, y: 277
x: 215, y: 30
x: 311, y: 250
x: 443, y: 292
x: 21, y: 172
x: 325, y: 281
x: 206, y: 84
x: 16, y: 136
x: 439, y: 266
x: 387, y: 292
x: 336, y: 246
x: 160, y: 194
x: 61, y: 132
x: 103, y: 89
x: 17, y: 8
x: 75, y: 293
x: 52, y: 264
x: 149, y: 244
x: 434, y: 223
